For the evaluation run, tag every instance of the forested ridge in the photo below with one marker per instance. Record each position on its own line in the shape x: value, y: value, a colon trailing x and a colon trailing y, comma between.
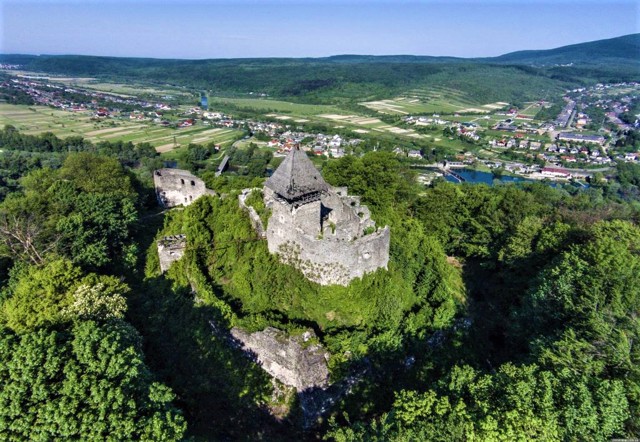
x: 507, y: 312
x: 520, y: 76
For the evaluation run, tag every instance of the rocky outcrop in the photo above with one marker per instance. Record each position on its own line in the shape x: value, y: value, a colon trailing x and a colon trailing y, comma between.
x: 294, y: 361
x: 297, y: 363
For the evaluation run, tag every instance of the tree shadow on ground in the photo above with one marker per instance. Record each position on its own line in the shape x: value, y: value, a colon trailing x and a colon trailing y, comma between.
x: 216, y: 385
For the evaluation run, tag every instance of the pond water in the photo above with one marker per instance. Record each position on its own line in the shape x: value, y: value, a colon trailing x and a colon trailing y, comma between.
x: 477, y: 177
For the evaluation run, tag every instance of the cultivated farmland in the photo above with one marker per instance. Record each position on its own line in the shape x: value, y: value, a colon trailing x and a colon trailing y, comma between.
x: 38, y: 119
x: 433, y: 100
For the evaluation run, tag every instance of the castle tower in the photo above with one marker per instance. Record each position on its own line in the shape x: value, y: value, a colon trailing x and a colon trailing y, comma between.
x: 296, y: 180
x: 297, y: 187
x: 318, y: 229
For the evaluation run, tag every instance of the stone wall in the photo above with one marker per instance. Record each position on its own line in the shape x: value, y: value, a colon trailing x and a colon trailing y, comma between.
x: 333, y: 249
x: 175, y: 187
x: 171, y: 249
x: 288, y: 359
x: 256, y: 222
x: 333, y: 261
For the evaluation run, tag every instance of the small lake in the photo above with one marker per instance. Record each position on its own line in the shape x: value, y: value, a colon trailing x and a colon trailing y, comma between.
x: 479, y: 177
x: 476, y: 176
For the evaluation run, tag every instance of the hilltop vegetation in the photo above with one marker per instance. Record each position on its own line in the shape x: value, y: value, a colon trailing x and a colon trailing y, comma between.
x: 625, y: 49
x: 507, y: 312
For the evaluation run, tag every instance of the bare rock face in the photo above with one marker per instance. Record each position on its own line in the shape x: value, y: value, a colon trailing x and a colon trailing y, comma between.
x: 291, y: 360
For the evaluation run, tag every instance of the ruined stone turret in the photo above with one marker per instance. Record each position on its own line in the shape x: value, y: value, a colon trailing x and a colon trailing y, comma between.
x: 321, y: 230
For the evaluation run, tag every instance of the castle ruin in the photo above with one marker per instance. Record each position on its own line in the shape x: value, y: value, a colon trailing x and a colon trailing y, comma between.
x: 321, y: 230
x: 170, y: 250
x: 176, y: 187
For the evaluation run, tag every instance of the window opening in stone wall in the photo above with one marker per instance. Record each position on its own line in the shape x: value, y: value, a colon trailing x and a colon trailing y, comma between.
x: 193, y: 183
x: 181, y: 181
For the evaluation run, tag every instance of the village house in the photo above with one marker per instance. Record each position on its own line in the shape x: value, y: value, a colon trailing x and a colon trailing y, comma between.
x: 535, y: 145
x: 556, y: 172
x: 416, y: 154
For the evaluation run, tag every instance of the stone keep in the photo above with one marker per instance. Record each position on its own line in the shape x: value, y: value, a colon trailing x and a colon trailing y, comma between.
x: 175, y: 187
x: 319, y: 229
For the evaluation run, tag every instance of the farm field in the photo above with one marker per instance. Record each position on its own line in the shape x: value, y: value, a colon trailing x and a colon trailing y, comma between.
x: 134, y: 90
x: 38, y: 119
x: 124, y: 90
x: 435, y: 100
x: 49, y: 77
x: 369, y: 125
x: 288, y: 113
x: 274, y: 106
x: 530, y: 109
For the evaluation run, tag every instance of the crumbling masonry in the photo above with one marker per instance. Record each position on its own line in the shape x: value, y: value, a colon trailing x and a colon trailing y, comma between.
x: 319, y: 229
x: 176, y: 187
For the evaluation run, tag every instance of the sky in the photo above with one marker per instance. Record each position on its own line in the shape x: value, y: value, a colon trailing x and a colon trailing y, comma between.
x: 199, y: 29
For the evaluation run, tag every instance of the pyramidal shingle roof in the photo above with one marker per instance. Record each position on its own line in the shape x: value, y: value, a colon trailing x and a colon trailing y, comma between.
x: 296, y: 176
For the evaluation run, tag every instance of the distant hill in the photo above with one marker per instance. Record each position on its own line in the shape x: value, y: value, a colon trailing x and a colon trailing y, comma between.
x: 625, y: 49
x: 351, y: 58
x: 349, y: 79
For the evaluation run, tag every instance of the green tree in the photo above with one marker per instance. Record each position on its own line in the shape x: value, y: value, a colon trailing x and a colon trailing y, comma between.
x: 98, y: 302
x: 97, y: 174
x: 90, y: 383
x: 40, y: 294
x: 583, y: 313
x: 84, y: 211
x: 57, y: 292
x: 518, y: 403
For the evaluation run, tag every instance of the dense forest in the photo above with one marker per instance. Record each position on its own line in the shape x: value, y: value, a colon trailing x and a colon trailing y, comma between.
x: 508, y: 312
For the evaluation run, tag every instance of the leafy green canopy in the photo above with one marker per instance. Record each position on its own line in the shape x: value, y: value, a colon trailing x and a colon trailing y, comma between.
x: 85, y: 211
x: 580, y: 319
x: 518, y: 403
x: 57, y: 293
x: 71, y: 367
x: 87, y: 383
x: 584, y: 310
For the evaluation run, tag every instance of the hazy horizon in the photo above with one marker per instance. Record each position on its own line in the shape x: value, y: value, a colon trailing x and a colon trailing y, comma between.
x: 306, y: 28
